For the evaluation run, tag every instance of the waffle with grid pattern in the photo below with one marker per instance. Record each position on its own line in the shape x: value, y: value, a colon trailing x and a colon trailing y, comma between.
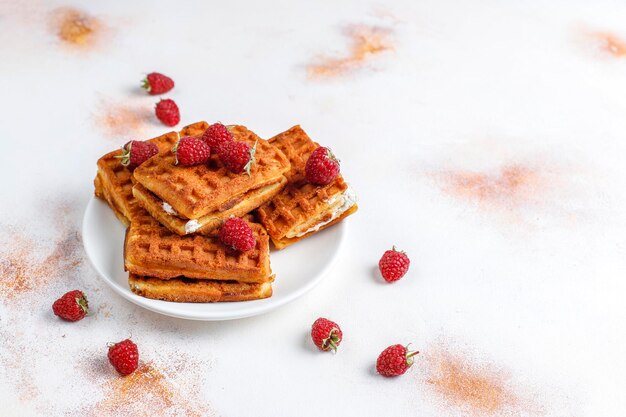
x: 206, y: 224
x: 152, y: 250
x: 302, y: 209
x: 200, y: 193
x: 114, y: 182
x: 184, y: 290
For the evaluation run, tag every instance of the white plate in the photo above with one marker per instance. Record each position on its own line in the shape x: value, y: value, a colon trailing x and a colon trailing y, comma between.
x: 298, y: 268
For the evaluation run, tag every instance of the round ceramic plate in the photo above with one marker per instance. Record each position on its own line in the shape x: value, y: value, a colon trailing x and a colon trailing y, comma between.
x: 298, y: 268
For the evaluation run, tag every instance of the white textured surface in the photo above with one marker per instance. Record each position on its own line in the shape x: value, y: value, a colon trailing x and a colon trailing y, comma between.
x: 533, y: 284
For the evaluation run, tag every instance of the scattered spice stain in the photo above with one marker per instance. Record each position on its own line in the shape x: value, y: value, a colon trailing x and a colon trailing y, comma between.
x: 12, y: 361
x: 512, y: 184
x: 473, y: 388
x: 146, y: 392
x: 463, y: 385
x: 610, y: 43
x: 23, y: 271
x: 75, y: 28
x: 366, y: 41
x: 20, y: 273
x: 119, y: 119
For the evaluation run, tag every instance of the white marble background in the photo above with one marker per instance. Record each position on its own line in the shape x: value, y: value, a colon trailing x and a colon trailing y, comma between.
x: 486, y: 138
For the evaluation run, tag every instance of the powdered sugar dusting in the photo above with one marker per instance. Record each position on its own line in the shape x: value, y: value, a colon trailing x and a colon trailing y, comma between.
x: 366, y: 42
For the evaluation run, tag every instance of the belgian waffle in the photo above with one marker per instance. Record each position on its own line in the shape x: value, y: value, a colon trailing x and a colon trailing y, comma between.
x: 201, y: 192
x: 152, y: 250
x: 302, y: 209
x: 114, y: 182
x: 185, y: 290
x: 166, y: 215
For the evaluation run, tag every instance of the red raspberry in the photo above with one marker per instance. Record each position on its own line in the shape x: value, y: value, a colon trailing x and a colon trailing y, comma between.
x: 124, y: 356
x: 322, y: 167
x: 237, y: 234
x: 167, y: 112
x: 156, y: 83
x: 326, y: 334
x: 216, y: 135
x: 395, y: 360
x: 237, y: 157
x: 72, y: 306
x: 393, y: 265
x: 191, y: 151
x: 136, y: 152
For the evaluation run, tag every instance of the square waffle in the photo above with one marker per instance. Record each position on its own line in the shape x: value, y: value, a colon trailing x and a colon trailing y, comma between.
x: 194, y: 199
x: 152, y: 250
x: 302, y: 209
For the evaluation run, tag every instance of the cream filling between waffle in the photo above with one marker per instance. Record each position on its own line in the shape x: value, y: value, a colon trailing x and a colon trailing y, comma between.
x: 169, y: 209
x: 192, y: 225
x: 238, y: 206
x: 338, y: 205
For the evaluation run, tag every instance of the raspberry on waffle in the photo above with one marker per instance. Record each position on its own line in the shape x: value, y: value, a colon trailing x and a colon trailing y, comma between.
x: 152, y: 250
x: 114, y: 182
x: 302, y: 209
x: 196, y: 199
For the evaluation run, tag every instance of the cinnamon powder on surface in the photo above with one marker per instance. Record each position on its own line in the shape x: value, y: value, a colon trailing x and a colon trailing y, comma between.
x: 366, y: 41
x: 21, y: 271
x: 75, y: 28
x: 117, y: 119
x: 480, y: 390
x: 610, y: 43
x: 510, y: 184
x: 146, y: 392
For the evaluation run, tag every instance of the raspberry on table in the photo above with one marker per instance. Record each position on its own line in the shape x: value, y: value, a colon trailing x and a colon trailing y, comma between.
x: 326, y: 334
x: 72, y: 306
x: 393, y: 265
x: 124, y: 356
x: 395, y: 360
x: 157, y: 83
x: 167, y: 112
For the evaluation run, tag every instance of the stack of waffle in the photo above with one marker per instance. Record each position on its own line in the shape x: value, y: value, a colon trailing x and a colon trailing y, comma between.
x: 172, y: 250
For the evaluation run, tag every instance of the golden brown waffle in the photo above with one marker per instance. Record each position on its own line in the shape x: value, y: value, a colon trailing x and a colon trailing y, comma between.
x: 302, y: 206
x: 185, y: 290
x: 114, y: 181
x: 197, y: 191
x: 152, y: 250
x: 211, y: 221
